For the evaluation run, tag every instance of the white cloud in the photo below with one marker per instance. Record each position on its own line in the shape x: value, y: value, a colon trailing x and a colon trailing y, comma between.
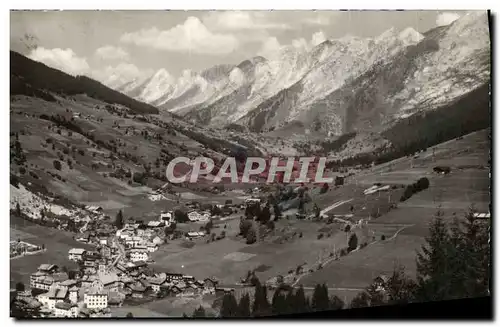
x: 110, y: 52
x: 318, y: 38
x: 62, y: 59
x: 242, y: 20
x: 323, y: 18
x: 115, y: 76
x: 270, y: 48
x: 191, y: 36
x: 446, y: 18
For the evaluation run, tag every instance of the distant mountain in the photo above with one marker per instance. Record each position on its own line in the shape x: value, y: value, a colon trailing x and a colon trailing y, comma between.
x: 339, y: 86
x: 32, y: 78
x: 414, y: 73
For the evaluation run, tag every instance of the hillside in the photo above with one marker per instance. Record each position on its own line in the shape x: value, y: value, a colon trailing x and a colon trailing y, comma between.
x: 31, y: 78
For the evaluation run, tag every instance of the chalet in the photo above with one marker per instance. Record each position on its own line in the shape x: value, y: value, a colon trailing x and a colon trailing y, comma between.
x: 188, y: 279
x: 483, y: 215
x: 91, y: 281
x: 157, y: 240
x: 105, y: 251
x: 190, y: 290
x: 53, y: 296
x: 68, y: 283
x: 47, y: 268
x: 115, y: 299
x: 138, y: 265
x: 173, y: 277
x: 166, y: 217
x: 175, y: 290
x: 73, y: 294
x: 138, y: 255
x: 66, y: 310
x: 83, y: 238
x: 91, y: 256
x: 94, y: 209
x: 223, y: 291
x: 134, y: 242
x: 151, y: 247
x: 110, y: 282
x: 191, y: 235
x: 442, y: 170
x: 138, y: 290
x: 157, y: 281
x: 252, y: 201
x: 380, y: 282
x: 156, y: 224
x: 95, y: 299
x: 76, y: 254
x: 209, y: 286
x: 41, y: 281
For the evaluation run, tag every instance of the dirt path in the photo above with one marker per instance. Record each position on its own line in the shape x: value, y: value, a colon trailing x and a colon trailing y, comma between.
x: 335, y: 205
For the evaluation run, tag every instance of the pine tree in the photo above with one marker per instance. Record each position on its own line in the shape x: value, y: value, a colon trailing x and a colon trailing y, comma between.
x: 471, y: 237
x: 320, y: 300
x: 199, y: 312
x: 119, y: 220
x: 18, y: 210
x: 400, y: 288
x: 300, y: 303
x: 278, y: 303
x: 229, y: 306
x: 433, y: 269
x: 353, y: 242
x: 244, y: 306
x: 261, y: 306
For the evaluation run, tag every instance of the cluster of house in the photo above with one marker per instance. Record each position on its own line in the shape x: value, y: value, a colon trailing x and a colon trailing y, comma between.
x: 91, y: 292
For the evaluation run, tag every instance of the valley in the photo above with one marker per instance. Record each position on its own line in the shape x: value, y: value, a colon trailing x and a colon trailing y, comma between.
x: 403, y: 120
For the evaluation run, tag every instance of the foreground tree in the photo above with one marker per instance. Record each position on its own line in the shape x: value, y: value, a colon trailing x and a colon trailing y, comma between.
x: 244, y: 306
x: 119, y: 220
x: 261, y: 306
x: 278, y: 303
x: 320, y: 300
x: 229, y: 307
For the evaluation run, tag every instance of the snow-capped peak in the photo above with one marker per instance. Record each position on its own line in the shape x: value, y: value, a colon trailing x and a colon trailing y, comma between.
x: 410, y: 36
x: 391, y: 33
x: 159, y: 84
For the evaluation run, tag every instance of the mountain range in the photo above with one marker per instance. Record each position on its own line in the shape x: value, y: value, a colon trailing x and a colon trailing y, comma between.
x: 344, y: 85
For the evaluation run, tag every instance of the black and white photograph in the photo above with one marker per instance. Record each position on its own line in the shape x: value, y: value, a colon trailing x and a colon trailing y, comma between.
x: 213, y: 164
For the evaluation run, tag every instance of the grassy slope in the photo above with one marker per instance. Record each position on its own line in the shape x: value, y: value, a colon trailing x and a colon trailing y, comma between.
x: 30, y: 78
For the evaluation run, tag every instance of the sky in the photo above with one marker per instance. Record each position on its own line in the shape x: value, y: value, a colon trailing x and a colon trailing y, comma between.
x: 135, y: 44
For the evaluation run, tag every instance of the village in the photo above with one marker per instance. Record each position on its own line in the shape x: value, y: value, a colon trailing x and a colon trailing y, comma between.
x: 116, y: 272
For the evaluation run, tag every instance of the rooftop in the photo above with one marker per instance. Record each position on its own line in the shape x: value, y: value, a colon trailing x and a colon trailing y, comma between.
x: 77, y: 251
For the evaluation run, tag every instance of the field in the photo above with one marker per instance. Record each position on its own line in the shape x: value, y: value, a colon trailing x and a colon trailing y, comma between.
x: 453, y: 193
x: 57, y: 244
